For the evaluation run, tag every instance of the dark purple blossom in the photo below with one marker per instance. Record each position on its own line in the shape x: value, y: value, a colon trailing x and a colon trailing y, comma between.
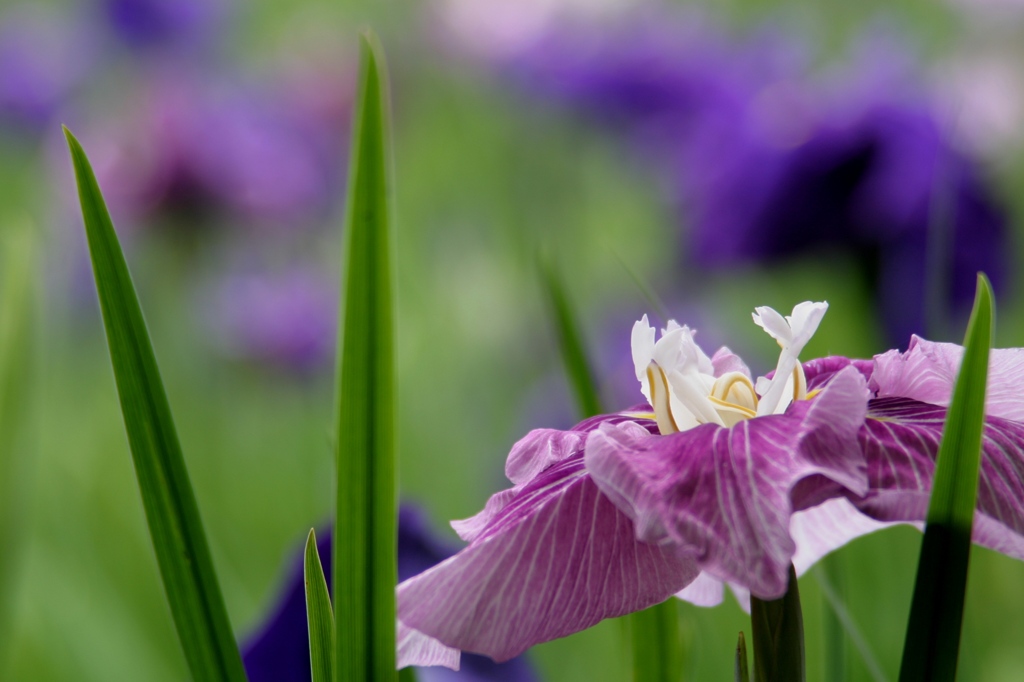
x: 767, y: 163
x: 160, y: 23
x: 279, y: 650
x: 712, y: 482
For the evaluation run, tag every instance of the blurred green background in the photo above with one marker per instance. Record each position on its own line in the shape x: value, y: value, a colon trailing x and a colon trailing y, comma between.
x: 487, y: 174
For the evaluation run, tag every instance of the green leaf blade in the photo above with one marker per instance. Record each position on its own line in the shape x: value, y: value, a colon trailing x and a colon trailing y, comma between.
x: 741, y: 668
x: 777, y: 630
x: 658, y: 654
x: 172, y: 514
x: 17, y: 294
x: 319, y: 616
x: 365, y: 550
x: 570, y: 342
x: 932, y: 643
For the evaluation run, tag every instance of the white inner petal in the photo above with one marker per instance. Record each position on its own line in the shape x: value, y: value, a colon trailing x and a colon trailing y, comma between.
x: 678, y: 378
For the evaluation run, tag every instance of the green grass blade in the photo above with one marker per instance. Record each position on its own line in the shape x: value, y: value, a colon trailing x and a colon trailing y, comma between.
x: 777, y: 628
x: 174, y: 523
x: 741, y: 668
x: 658, y: 654
x: 932, y: 643
x: 849, y: 626
x: 570, y: 341
x: 17, y: 290
x: 830, y: 571
x: 319, y: 615
x: 365, y: 547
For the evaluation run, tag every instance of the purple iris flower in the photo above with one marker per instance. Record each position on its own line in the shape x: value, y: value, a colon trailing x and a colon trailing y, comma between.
x: 279, y: 650
x: 717, y: 479
x: 767, y: 164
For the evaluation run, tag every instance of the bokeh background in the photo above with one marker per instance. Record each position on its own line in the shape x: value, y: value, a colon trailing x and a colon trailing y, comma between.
x: 683, y: 160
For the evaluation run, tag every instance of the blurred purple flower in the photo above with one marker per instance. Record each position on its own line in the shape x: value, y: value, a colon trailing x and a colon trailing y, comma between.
x: 886, y: 185
x: 279, y: 650
x: 158, y: 23
x: 193, y: 150
x: 43, y: 57
x: 286, y: 320
x: 768, y: 164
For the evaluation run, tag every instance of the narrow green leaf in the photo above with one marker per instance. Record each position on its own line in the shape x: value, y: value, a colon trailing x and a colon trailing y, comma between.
x: 932, y: 644
x: 741, y: 668
x: 365, y: 547
x: 17, y: 249
x: 174, y: 523
x: 319, y: 615
x: 830, y: 570
x: 407, y: 675
x: 777, y: 628
x: 570, y: 342
x: 657, y: 645
x: 845, y: 619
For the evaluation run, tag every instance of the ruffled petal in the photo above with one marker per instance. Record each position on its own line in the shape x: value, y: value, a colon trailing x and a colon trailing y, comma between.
x: 558, y: 558
x: 725, y: 361
x: 704, y: 591
x: 416, y: 648
x: 901, y: 439
x: 723, y: 495
x: 820, y: 371
x: 827, y: 527
x: 927, y: 372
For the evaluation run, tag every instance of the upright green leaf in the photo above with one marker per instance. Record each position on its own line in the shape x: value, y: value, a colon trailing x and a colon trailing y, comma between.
x: 365, y: 546
x: 741, y: 669
x: 658, y: 654
x: 319, y: 615
x: 845, y: 619
x: 570, y: 342
x: 777, y: 628
x: 174, y: 523
x: 932, y: 643
x: 830, y: 570
x: 16, y: 297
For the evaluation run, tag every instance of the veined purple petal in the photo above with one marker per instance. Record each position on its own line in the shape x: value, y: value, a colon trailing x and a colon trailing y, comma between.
x: 827, y: 527
x: 900, y: 439
x: 415, y: 648
x: 704, y: 591
x: 725, y: 495
x: 927, y: 371
x: 820, y: 371
x: 538, y: 450
x: 816, y: 531
x: 557, y: 558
